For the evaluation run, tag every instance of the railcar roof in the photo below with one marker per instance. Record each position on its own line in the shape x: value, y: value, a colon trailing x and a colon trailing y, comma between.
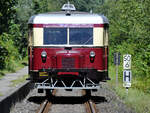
x: 62, y: 18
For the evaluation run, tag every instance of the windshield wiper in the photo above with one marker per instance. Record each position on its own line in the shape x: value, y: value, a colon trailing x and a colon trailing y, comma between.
x: 88, y: 40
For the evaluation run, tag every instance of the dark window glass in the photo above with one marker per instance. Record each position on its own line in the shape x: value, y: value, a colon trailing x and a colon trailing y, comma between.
x: 55, y: 35
x: 81, y: 36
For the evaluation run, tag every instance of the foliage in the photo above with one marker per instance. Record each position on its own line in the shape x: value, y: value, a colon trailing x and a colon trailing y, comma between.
x: 135, y: 97
x: 7, y: 49
x: 129, y: 33
x: 6, y: 13
x: 9, y: 52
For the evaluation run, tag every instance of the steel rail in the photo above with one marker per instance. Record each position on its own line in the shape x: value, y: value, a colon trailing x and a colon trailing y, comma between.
x: 45, y: 106
x: 89, y: 105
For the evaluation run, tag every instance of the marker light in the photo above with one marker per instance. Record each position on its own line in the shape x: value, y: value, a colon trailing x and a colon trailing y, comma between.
x: 92, y: 56
x: 44, y: 56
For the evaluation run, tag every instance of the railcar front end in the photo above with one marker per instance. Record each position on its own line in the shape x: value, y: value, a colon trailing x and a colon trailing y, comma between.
x: 68, y: 51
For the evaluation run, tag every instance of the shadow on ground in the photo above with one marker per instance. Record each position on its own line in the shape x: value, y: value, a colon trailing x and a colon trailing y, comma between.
x: 67, y: 99
x: 1, y: 75
x: 25, y: 64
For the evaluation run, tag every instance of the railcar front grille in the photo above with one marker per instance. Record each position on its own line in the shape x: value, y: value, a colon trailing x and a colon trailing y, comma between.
x: 68, y: 63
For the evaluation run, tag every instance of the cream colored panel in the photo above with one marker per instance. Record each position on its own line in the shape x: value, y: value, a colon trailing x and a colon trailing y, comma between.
x: 98, y: 37
x: 30, y: 37
x: 106, y: 38
x: 38, y: 36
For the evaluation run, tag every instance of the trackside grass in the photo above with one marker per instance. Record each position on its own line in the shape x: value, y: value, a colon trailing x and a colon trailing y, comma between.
x: 18, y: 81
x: 1, y: 94
x: 135, y: 99
x: 16, y: 66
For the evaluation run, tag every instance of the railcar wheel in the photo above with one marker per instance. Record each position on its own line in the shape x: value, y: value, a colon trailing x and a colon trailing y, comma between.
x: 48, y: 92
x: 88, y: 93
x: 40, y: 91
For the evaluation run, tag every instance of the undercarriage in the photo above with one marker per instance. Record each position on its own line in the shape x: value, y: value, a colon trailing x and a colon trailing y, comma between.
x: 52, y: 83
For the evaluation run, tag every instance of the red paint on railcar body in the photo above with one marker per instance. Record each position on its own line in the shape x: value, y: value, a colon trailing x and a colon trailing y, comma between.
x: 77, y: 58
x: 66, y: 25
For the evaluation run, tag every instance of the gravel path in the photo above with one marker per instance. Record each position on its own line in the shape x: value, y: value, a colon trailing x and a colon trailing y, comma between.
x: 72, y: 102
x: 5, y: 82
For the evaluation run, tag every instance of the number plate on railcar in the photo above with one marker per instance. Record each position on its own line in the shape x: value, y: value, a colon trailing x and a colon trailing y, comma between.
x: 43, y: 74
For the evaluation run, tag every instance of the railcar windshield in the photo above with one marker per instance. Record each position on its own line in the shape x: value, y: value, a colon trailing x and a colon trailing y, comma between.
x: 55, y: 36
x: 81, y: 36
x: 75, y: 36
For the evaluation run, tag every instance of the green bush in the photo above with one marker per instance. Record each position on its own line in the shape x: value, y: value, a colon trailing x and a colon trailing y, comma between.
x: 140, y: 66
x: 9, y: 52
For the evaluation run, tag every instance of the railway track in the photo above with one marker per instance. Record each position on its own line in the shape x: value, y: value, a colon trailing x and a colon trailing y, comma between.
x: 89, y: 104
x: 45, y: 106
x: 106, y: 101
x: 90, y: 107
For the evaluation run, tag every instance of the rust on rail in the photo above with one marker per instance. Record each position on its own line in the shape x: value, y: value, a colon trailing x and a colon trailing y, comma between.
x: 45, y: 106
x: 89, y: 104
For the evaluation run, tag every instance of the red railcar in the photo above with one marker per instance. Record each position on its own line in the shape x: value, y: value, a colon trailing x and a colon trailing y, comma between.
x: 68, y: 49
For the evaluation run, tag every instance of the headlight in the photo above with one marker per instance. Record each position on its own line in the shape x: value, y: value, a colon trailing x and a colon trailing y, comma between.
x: 92, y: 54
x: 44, y: 54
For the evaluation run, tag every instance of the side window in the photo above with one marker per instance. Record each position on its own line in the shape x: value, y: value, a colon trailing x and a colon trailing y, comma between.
x: 55, y: 36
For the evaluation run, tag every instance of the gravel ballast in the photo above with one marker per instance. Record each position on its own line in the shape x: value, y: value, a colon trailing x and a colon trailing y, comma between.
x: 110, y: 102
x: 72, y: 102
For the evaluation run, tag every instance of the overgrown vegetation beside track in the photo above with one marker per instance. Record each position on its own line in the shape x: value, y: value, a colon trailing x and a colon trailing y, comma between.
x: 16, y: 66
x: 135, y: 99
x: 129, y: 33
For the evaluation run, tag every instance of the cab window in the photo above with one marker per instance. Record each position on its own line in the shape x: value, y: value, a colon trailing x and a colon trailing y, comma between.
x: 55, y: 36
x: 81, y: 36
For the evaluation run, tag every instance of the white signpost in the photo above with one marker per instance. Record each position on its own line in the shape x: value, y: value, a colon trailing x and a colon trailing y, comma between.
x: 127, y: 62
x: 127, y: 74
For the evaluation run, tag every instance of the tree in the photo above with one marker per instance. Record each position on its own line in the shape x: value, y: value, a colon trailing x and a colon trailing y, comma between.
x: 6, y: 13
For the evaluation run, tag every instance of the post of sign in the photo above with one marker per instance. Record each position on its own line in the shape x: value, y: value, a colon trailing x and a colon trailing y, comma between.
x: 127, y: 74
x: 117, y: 62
